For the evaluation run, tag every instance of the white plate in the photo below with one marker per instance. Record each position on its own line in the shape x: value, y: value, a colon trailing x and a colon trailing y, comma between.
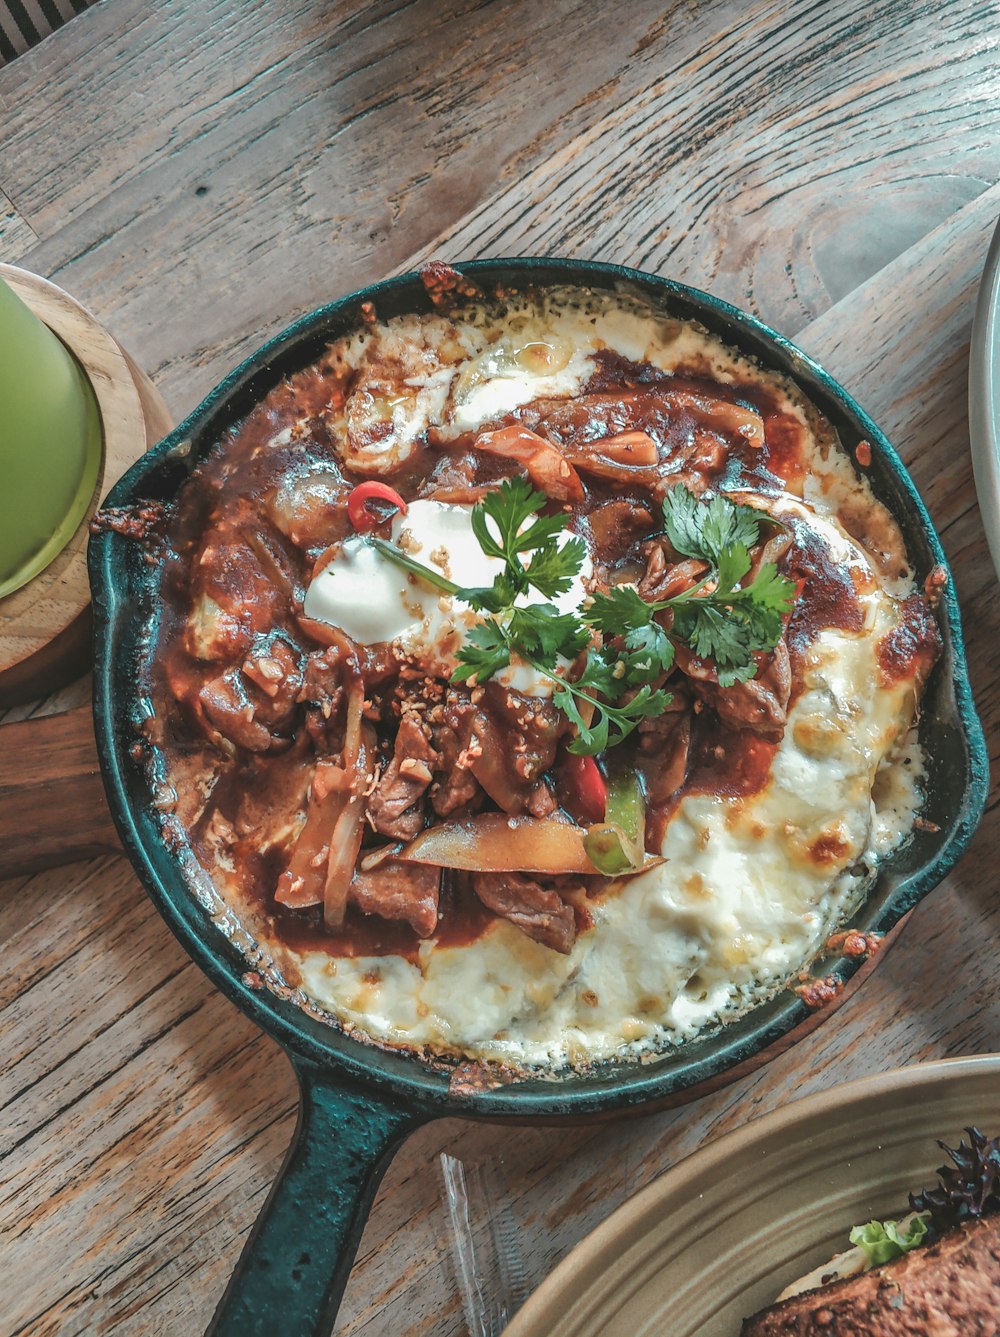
x: 984, y: 398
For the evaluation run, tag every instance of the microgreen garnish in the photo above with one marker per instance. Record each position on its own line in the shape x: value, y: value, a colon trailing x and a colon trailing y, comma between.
x: 970, y: 1187
x: 884, y: 1240
x: 717, y: 618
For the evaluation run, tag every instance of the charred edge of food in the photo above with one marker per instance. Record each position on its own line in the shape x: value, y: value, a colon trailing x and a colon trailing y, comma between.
x: 138, y: 521
x: 856, y: 946
x: 819, y: 993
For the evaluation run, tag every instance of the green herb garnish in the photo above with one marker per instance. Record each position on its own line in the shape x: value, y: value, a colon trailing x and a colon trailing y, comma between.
x: 884, y: 1240
x: 425, y: 573
x: 717, y: 619
x: 550, y: 569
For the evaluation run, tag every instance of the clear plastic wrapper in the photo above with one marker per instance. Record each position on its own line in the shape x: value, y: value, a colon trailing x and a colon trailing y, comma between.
x: 483, y: 1240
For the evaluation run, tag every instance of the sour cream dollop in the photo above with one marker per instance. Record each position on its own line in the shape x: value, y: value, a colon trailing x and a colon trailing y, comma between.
x: 373, y: 600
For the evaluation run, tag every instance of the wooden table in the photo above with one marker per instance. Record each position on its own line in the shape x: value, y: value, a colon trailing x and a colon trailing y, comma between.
x: 201, y: 172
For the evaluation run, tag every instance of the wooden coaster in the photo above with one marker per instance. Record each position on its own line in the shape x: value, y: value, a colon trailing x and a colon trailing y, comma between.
x: 45, y: 626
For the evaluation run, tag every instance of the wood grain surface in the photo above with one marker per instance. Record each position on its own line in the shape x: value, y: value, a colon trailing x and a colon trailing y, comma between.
x: 200, y: 173
x: 52, y: 805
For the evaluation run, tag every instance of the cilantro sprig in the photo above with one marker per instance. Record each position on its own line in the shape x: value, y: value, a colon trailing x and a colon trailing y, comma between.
x: 718, y: 618
x: 594, y: 701
x: 551, y: 567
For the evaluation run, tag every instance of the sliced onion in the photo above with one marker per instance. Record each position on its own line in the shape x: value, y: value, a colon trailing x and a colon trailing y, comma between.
x: 375, y: 857
x: 283, y: 580
x: 491, y: 842
x: 602, y: 467
x: 634, y: 448
x: 330, y: 840
x: 548, y: 470
x: 301, y: 884
x: 722, y: 414
x: 345, y: 840
x: 320, y: 632
x: 354, y: 686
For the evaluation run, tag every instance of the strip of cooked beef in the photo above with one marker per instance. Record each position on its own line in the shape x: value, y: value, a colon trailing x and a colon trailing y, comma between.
x: 948, y: 1289
x: 463, y: 476
x: 394, y: 890
x: 274, y: 676
x: 664, y: 577
x: 229, y: 712
x: 394, y: 806
x: 542, y: 915
x: 662, y: 748
x: 503, y: 741
x: 451, y: 728
x: 516, y: 737
x: 541, y: 801
x: 616, y: 527
x: 760, y: 705
x: 587, y: 418
x: 322, y: 691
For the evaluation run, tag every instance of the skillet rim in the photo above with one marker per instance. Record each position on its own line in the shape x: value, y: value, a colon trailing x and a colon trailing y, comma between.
x: 114, y: 568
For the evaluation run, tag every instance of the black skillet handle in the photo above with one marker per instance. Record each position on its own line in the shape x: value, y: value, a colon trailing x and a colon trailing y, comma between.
x: 294, y: 1267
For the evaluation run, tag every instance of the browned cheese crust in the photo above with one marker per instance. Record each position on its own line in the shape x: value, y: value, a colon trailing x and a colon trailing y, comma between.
x: 947, y: 1289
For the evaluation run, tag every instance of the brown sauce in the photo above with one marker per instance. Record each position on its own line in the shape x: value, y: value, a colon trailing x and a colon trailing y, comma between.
x: 731, y: 763
x: 462, y: 920
x: 225, y: 551
x: 828, y: 598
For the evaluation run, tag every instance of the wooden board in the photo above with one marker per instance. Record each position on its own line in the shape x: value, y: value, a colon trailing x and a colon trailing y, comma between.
x: 831, y: 167
x: 44, y: 630
x: 52, y: 804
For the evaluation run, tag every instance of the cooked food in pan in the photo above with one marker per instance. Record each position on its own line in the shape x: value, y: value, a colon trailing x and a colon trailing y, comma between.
x: 535, y: 678
x: 937, y: 1270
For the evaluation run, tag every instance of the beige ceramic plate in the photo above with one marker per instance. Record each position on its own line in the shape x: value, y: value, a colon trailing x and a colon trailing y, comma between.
x: 717, y: 1237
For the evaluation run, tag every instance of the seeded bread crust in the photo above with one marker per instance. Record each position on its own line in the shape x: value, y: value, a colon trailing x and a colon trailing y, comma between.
x: 947, y: 1289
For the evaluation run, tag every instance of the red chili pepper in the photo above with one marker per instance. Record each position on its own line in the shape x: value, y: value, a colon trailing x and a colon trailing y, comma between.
x: 587, y: 787
x: 357, y: 503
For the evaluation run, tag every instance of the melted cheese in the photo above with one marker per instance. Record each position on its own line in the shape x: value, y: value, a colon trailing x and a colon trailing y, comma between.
x: 460, y: 376
x: 753, y: 886
x: 751, y: 889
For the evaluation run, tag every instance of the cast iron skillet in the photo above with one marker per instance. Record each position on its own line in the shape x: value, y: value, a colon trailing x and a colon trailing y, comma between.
x: 358, y: 1102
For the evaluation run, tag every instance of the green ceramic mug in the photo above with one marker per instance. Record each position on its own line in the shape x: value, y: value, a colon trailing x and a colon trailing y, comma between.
x: 50, y: 444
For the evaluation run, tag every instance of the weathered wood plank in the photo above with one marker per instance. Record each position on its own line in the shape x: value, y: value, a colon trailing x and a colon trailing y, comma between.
x: 314, y: 149
x: 797, y: 123
x: 17, y: 236
x: 143, y: 1117
x: 906, y: 359
x: 699, y: 151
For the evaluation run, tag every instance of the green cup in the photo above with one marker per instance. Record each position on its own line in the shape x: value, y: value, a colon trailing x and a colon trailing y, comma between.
x: 50, y: 444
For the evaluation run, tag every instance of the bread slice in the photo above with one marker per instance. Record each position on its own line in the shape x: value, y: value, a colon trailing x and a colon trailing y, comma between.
x: 947, y: 1289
